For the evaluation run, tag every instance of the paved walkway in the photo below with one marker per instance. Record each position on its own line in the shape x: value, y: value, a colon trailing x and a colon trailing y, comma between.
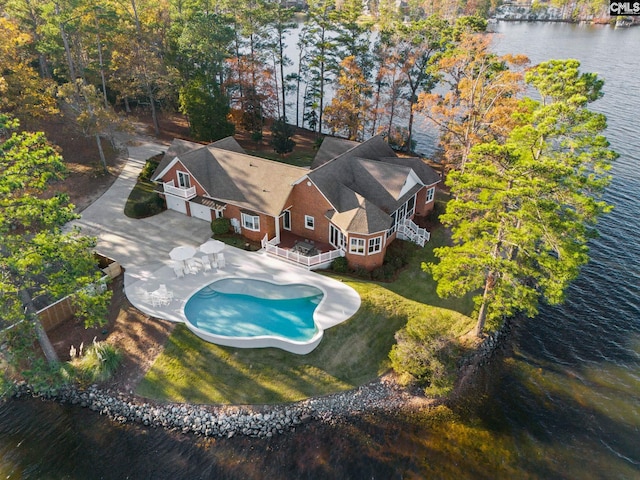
x: 142, y: 247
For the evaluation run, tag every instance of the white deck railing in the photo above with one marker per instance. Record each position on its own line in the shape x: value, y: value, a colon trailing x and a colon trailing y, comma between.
x: 315, y: 261
x: 408, y: 230
x: 179, y: 191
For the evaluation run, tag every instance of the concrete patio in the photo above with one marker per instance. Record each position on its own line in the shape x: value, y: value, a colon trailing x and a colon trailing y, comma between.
x: 339, y: 304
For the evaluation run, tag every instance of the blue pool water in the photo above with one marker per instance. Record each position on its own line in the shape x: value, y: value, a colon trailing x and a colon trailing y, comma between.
x: 246, y: 308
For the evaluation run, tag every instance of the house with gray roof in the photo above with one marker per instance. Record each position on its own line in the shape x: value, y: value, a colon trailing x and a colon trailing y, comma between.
x: 356, y: 198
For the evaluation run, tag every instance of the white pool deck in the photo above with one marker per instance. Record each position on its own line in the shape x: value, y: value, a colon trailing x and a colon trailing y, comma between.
x: 339, y: 302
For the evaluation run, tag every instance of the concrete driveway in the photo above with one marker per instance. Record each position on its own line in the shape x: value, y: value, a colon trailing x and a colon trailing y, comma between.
x: 135, y: 242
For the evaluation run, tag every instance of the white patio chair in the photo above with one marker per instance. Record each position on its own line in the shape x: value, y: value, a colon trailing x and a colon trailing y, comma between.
x: 179, y: 271
x: 206, y: 263
x: 164, y: 292
x: 161, y: 296
x: 221, y: 261
x: 193, y: 266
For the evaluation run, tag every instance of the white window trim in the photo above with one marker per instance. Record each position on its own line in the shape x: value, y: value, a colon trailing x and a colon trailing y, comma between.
x: 355, y: 243
x: 372, y: 242
x: 430, y: 194
x: 255, y: 221
x: 342, y: 238
x: 284, y: 214
x: 186, y: 175
x: 308, y: 219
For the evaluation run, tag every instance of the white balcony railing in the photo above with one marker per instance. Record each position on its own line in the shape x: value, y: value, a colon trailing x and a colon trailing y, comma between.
x: 181, y: 192
x: 322, y: 260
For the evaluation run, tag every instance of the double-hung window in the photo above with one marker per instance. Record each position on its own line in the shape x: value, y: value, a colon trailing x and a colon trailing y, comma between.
x: 309, y: 222
x: 430, y: 194
x: 356, y: 245
x: 251, y: 222
x: 375, y: 245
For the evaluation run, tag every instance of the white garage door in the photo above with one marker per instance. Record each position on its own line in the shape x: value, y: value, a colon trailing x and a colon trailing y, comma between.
x: 200, y: 211
x: 175, y: 203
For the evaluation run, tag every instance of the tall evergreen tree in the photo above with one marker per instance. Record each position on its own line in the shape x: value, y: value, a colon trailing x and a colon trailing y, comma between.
x: 524, y: 211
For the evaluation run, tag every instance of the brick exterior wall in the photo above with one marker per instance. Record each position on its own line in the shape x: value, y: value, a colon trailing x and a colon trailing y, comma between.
x: 366, y: 261
x: 172, y: 174
x: 423, y: 208
x: 307, y: 200
x: 267, y: 222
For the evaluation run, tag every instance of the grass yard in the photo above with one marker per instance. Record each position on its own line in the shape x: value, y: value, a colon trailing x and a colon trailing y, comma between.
x: 350, y: 354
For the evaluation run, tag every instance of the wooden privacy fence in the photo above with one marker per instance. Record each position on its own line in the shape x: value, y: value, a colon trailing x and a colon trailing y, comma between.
x: 53, y: 315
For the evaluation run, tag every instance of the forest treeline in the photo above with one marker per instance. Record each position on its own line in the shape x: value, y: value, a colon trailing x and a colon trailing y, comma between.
x: 228, y: 63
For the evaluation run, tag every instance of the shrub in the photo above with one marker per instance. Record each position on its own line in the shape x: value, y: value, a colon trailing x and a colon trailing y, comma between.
x: 362, y: 272
x: 150, y: 167
x: 145, y: 205
x: 281, y: 140
x: 398, y: 253
x: 424, y: 357
x: 256, y: 136
x: 220, y: 226
x: 383, y: 273
x: 340, y: 265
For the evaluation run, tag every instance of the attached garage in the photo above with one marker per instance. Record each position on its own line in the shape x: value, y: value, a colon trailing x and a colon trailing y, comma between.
x: 200, y: 211
x: 177, y: 204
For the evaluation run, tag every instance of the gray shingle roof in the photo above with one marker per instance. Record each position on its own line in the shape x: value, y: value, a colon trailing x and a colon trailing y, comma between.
x: 365, y: 218
x: 427, y: 175
x: 228, y: 143
x: 177, y: 148
x: 330, y: 148
x: 243, y: 180
x: 368, y: 182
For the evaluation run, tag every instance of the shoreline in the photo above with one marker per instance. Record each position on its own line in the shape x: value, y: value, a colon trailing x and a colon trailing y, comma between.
x: 382, y: 395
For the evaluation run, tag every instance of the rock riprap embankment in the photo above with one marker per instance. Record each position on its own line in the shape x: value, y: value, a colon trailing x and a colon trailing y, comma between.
x: 228, y: 421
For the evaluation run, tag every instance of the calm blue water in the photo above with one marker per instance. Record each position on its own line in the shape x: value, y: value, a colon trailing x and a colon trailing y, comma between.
x: 263, y: 309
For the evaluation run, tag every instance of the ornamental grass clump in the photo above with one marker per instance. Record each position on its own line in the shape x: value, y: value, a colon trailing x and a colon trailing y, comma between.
x: 98, y: 363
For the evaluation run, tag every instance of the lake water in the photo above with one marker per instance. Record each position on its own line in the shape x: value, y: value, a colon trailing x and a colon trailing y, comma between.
x: 564, y: 402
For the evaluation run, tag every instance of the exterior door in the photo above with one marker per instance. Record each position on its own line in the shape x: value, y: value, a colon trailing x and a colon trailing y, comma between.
x: 286, y: 220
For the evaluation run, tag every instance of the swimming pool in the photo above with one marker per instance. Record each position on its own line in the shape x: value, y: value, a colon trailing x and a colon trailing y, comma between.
x: 249, y: 313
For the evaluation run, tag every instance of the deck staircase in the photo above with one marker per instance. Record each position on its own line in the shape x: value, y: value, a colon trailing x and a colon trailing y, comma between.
x: 408, y: 230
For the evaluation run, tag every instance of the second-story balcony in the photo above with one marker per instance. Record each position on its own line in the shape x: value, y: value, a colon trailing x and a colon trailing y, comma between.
x: 181, y: 192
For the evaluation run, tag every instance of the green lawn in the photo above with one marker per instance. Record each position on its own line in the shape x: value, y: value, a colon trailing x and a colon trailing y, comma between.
x: 350, y: 354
